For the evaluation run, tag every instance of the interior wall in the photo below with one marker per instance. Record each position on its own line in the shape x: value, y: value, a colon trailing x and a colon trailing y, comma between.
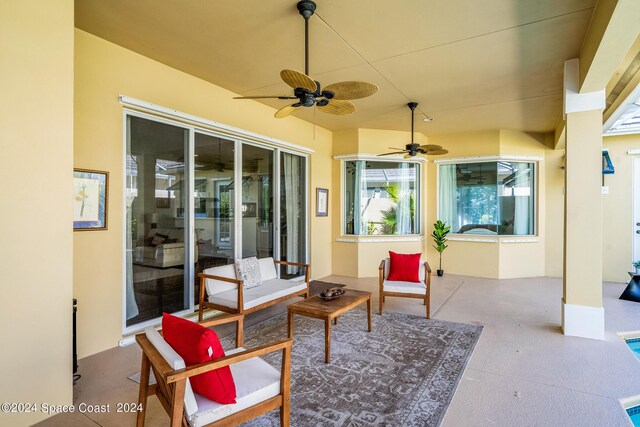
x: 104, y: 71
x: 617, y: 206
x: 36, y: 47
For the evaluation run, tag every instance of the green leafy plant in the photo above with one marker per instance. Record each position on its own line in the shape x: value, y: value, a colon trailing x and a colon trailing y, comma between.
x: 440, y: 231
x: 389, y: 216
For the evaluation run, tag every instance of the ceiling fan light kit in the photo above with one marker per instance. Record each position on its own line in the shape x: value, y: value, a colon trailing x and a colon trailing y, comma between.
x: 413, y: 149
x: 333, y: 99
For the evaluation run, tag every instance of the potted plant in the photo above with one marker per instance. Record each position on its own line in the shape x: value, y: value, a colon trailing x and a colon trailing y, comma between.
x: 440, y: 231
x: 636, y: 264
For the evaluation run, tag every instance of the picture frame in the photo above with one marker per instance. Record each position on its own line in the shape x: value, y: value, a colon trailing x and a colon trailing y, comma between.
x: 322, y: 202
x: 90, y: 199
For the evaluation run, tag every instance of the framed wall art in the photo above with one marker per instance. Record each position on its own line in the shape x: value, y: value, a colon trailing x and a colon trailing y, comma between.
x: 322, y: 202
x: 90, y: 192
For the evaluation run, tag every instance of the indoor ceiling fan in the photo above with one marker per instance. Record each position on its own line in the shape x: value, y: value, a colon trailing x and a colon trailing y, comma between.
x: 332, y: 99
x: 412, y: 149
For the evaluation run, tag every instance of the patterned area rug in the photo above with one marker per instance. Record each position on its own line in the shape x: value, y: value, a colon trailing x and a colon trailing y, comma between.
x: 404, y: 373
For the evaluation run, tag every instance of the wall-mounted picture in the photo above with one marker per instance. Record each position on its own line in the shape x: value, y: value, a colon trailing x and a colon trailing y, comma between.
x: 322, y: 202
x: 90, y: 191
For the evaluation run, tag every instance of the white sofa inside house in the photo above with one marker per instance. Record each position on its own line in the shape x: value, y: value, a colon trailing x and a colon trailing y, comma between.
x: 225, y: 292
x: 167, y: 250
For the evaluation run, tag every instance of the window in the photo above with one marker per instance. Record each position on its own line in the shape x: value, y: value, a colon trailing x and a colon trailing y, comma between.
x: 487, y: 197
x: 381, y: 197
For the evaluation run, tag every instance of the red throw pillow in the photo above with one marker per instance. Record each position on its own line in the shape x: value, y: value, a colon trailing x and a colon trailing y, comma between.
x: 197, y: 344
x: 404, y: 267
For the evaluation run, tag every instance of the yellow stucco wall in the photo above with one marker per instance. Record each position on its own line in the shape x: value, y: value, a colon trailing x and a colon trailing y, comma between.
x: 36, y: 145
x: 104, y: 71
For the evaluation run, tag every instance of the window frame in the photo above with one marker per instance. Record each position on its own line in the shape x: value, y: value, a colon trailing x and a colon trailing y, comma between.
x: 417, y: 161
x: 492, y: 159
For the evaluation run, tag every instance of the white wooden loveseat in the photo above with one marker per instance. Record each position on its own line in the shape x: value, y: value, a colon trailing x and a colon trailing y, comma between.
x: 226, y: 293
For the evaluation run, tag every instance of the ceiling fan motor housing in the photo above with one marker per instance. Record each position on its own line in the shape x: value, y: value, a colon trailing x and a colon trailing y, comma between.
x: 306, y: 8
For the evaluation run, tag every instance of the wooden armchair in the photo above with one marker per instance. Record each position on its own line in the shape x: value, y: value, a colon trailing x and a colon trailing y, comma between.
x: 421, y: 290
x: 225, y: 292
x: 260, y: 387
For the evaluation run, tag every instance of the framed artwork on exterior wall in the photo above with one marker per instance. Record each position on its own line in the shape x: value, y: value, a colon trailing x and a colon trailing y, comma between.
x: 322, y: 202
x: 90, y: 192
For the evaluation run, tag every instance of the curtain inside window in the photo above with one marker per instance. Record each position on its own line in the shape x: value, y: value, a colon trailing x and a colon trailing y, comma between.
x: 403, y: 209
x: 523, y: 220
x: 448, y: 196
x: 292, y: 208
x: 132, y: 305
x: 360, y: 198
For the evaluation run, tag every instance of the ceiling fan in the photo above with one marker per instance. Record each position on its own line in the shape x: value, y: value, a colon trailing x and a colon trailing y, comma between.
x: 332, y: 99
x: 413, y: 149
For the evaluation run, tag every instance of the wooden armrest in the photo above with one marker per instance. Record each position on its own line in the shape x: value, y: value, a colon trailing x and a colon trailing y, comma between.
x: 228, y: 360
x: 291, y: 263
x: 221, y: 320
x: 381, y: 266
x: 220, y: 278
x: 428, y: 267
x: 153, y: 354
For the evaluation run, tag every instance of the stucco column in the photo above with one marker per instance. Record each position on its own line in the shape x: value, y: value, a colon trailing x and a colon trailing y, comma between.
x: 582, y: 311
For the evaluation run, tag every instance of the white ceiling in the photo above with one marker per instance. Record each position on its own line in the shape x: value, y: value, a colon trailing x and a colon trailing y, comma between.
x: 472, y: 65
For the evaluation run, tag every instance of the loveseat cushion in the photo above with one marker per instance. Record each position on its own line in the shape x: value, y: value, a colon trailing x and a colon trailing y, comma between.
x: 256, y: 381
x: 267, y: 269
x: 268, y: 291
x: 248, y: 270
x: 176, y: 362
x: 197, y: 344
x: 217, y: 286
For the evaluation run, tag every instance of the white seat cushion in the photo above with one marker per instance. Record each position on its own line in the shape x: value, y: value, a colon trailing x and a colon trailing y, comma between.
x: 268, y: 291
x: 256, y: 381
x: 176, y: 362
x: 404, y: 287
x: 218, y: 286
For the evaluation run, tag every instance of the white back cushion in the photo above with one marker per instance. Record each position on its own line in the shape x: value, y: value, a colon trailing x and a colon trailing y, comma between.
x: 176, y: 362
x: 267, y: 269
x: 387, y: 265
x: 217, y: 286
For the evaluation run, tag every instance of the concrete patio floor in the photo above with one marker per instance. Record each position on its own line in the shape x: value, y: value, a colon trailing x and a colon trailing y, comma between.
x: 523, y: 371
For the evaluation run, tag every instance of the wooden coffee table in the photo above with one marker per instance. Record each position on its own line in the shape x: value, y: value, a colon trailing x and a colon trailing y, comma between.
x: 318, y: 308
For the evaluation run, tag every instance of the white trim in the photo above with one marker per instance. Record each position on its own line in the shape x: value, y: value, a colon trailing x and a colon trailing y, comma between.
x: 629, y: 402
x: 633, y: 151
x: 583, y: 321
x: 520, y: 240
x: 494, y: 158
x: 377, y: 158
x: 358, y: 239
x: 472, y: 239
x: 628, y: 335
x: 573, y: 100
x: 227, y: 130
x: 126, y: 341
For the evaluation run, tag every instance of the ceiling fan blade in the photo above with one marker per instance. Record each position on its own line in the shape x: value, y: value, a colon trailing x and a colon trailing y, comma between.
x: 338, y: 107
x: 430, y: 147
x: 436, y: 152
x: 265, y: 97
x: 296, y: 79
x: 284, y: 111
x: 395, y: 152
x: 351, y: 90
x: 396, y: 148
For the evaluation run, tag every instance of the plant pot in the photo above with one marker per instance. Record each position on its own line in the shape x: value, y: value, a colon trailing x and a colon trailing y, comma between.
x: 440, y: 273
x: 638, y: 270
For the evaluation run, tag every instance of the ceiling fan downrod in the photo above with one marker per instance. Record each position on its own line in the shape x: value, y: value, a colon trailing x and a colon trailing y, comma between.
x: 306, y: 9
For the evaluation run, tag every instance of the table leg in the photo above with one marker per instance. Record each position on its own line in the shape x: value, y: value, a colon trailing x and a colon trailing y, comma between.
x: 327, y: 340
x: 290, y: 318
x: 369, y: 312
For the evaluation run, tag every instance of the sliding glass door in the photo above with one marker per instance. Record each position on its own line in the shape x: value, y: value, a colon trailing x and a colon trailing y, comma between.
x: 196, y: 199
x: 155, y: 238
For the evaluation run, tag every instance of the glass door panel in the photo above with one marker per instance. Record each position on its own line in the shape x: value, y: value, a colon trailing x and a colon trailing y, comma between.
x: 213, y: 201
x: 155, y: 258
x: 293, y: 213
x: 257, y: 201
